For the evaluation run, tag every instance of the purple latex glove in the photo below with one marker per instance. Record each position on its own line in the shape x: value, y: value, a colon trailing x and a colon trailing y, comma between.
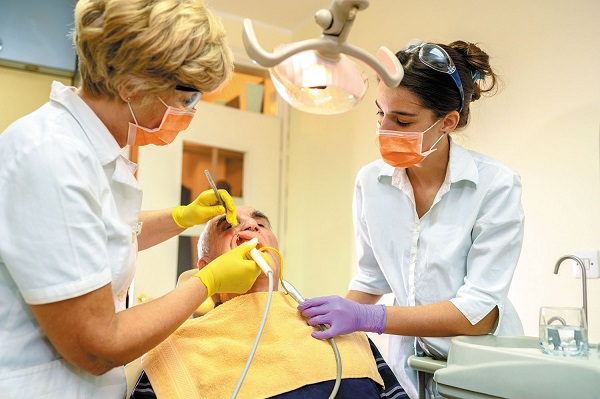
x: 343, y: 315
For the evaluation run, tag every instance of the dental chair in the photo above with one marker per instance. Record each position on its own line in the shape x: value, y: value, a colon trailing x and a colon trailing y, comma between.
x: 426, y: 367
x: 133, y: 371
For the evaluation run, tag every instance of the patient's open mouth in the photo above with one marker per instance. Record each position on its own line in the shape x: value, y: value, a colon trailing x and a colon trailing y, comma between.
x: 240, y: 240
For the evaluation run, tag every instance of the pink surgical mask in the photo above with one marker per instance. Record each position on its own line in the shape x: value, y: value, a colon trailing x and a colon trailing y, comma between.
x: 174, y: 121
x: 403, y: 149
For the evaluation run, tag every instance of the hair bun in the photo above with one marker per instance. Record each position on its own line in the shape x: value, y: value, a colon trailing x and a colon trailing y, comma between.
x: 478, y: 63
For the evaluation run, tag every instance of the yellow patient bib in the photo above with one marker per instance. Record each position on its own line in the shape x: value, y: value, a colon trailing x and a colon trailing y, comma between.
x: 205, y: 357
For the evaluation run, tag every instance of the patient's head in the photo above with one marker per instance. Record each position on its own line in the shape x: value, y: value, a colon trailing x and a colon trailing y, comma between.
x: 219, y: 237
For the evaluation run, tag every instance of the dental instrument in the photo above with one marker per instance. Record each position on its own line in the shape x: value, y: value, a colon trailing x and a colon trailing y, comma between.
x: 260, y: 261
x: 293, y: 292
x: 257, y: 257
x: 214, y: 187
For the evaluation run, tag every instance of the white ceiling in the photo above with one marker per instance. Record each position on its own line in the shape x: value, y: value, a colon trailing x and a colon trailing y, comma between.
x: 285, y: 15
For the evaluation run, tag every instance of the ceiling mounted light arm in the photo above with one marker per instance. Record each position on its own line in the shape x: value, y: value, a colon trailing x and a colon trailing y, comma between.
x: 266, y: 59
x: 319, y: 75
x: 386, y: 66
x: 336, y: 24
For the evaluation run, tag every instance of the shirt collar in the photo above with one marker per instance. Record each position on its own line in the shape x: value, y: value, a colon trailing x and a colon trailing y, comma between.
x: 461, y: 166
x: 102, y: 141
x: 386, y: 170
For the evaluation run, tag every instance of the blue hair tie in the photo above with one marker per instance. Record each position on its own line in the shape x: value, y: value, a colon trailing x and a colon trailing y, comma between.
x: 476, y: 76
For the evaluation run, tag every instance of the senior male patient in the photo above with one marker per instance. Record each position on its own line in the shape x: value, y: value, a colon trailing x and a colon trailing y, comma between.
x: 205, y: 357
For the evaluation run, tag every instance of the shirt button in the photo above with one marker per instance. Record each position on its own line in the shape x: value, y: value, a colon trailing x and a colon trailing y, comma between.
x: 413, y: 258
x: 418, y: 228
x: 122, y: 295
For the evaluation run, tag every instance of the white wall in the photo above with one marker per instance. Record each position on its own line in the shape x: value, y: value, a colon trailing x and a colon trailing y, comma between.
x: 544, y: 123
x: 22, y: 92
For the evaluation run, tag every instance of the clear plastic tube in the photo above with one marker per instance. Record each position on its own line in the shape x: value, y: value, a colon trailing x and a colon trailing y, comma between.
x: 262, y: 324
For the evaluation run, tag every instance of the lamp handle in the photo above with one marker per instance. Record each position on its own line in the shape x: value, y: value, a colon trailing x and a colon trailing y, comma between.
x: 386, y: 65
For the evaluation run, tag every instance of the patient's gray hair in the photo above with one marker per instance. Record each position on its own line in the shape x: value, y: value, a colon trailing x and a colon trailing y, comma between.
x: 203, y: 249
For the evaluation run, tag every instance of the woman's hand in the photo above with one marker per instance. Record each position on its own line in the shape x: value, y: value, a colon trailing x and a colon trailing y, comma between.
x: 343, y: 315
x: 232, y: 273
x: 204, y: 208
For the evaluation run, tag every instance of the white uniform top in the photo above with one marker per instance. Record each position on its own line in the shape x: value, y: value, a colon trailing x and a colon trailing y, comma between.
x: 464, y: 249
x: 69, y: 207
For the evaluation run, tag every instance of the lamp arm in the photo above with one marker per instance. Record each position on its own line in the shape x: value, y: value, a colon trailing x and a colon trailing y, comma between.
x: 387, y: 67
x: 267, y: 59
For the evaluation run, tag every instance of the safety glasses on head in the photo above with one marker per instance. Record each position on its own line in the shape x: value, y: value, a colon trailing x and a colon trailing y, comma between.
x: 436, y: 58
x: 190, y: 102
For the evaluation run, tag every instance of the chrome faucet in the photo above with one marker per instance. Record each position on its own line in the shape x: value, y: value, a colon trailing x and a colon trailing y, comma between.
x: 583, y: 279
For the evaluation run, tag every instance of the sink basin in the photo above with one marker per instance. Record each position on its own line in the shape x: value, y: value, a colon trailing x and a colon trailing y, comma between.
x: 514, y: 367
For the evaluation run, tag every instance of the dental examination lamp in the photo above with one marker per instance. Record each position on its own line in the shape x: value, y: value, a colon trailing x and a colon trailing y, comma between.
x: 316, y: 75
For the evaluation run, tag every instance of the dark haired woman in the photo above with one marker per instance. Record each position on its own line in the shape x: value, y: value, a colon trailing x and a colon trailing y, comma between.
x: 437, y: 225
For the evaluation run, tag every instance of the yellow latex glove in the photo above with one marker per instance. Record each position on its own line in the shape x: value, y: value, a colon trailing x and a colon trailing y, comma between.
x: 204, y: 208
x: 265, y: 256
x: 232, y: 272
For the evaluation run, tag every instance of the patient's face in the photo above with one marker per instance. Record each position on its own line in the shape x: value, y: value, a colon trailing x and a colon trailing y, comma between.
x: 252, y: 223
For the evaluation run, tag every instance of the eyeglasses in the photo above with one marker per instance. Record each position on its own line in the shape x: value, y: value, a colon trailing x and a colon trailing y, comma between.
x: 437, y: 59
x: 190, y: 102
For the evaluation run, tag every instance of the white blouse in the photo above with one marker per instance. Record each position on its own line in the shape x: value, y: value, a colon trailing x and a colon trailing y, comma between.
x: 69, y: 208
x: 464, y: 249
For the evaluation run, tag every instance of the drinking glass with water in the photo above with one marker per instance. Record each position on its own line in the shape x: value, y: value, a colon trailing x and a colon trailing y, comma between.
x: 563, y: 331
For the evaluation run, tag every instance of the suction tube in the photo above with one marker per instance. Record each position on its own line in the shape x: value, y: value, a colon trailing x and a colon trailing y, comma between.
x: 293, y: 292
x: 267, y: 270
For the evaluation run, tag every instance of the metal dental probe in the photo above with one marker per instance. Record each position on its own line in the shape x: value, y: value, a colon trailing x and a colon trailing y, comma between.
x: 212, y: 184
